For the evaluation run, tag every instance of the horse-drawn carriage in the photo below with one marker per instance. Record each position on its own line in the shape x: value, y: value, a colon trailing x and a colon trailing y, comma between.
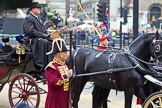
x: 18, y: 69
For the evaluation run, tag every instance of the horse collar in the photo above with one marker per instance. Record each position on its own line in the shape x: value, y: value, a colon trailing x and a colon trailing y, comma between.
x: 136, y: 61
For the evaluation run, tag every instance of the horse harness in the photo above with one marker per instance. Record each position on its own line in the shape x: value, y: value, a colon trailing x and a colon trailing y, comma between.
x: 112, y: 76
x: 111, y: 71
x: 157, y: 48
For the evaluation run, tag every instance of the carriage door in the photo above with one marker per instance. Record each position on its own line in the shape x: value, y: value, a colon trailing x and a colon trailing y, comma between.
x: 155, y: 16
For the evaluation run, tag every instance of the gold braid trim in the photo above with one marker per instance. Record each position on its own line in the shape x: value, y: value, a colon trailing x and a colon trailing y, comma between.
x: 65, y: 84
x: 59, y: 46
x: 50, y: 64
x: 58, y: 61
x: 59, y: 83
x: 65, y: 80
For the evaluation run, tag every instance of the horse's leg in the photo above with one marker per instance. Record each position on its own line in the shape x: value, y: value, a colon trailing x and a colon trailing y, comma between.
x: 100, y: 95
x: 139, y: 93
x: 105, y: 94
x: 96, y: 96
x: 77, y: 87
x: 128, y: 98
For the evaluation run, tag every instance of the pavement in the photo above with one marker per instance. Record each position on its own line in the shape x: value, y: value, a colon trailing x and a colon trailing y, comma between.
x: 117, y: 101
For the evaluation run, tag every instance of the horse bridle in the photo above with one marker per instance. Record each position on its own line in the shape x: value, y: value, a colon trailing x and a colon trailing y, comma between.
x: 157, y: 50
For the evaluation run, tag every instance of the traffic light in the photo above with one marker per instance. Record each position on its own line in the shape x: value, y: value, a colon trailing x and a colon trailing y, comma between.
x: 101, y: 11
x: 125, y: 13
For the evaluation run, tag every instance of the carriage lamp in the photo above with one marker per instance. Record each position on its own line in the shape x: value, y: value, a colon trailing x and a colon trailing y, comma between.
x: 20, y: 50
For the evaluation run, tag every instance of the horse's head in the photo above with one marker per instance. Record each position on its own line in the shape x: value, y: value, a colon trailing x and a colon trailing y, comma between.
x: 156, y: 48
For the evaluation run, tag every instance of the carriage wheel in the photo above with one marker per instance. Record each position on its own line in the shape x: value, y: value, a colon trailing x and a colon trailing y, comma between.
x: 153, y: 101
x: 24, y: 89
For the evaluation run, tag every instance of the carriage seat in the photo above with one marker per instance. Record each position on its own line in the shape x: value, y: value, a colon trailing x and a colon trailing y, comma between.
x: 5, y: 58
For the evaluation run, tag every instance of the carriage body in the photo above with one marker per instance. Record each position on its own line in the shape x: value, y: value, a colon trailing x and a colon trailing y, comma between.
x: 19, y: 70
x: 154, y: 99
x: 9, y: 68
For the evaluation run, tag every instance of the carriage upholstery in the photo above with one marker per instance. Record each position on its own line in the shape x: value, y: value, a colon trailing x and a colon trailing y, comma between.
x: 10, y: 58
x: 7, y: 57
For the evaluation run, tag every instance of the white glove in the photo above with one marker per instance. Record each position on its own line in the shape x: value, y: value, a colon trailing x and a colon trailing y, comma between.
x: 69, y: 73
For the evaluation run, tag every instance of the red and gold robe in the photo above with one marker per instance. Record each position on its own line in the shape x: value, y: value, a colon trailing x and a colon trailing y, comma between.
x: 57, y: 96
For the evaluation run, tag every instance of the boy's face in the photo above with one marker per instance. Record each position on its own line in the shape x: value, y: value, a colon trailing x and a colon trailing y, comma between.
x: 105, y: 43
x: 103, y: 28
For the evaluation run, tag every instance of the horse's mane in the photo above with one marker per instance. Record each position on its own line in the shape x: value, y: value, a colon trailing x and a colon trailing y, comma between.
x: 142, y: 38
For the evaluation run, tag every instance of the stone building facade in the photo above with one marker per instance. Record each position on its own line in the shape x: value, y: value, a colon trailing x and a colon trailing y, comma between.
x: 150, y: 11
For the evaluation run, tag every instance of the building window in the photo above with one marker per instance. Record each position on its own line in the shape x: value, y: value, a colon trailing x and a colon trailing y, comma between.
x: 155, y: 13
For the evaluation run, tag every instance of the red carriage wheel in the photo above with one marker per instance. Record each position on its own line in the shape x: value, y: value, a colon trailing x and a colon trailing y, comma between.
x: 24, y: 89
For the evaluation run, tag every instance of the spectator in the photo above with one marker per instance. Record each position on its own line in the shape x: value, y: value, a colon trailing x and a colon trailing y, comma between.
x: 20, y: 46
x: 104, y: 33
x: 103, y: 44
x: 19, y: 40
x: 1, y: 47
x: 74, y: 42
x: 82, y: 38
x: 6, y: 48
x: 22, y: 105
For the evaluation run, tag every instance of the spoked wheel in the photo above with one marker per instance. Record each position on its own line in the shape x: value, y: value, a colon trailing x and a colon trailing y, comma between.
x: 153, y: 101
x: 23, y: 89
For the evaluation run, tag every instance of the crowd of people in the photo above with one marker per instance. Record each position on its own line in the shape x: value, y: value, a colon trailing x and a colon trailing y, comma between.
x: 86, y: 36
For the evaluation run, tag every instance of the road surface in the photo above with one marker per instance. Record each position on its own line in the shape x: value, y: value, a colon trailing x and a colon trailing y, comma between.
x: 85, y: 100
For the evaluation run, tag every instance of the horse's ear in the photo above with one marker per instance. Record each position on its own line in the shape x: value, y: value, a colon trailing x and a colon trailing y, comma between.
x: 157, y: 35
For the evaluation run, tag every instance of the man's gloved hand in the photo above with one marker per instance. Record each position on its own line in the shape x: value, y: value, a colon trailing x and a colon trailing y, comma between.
x: 69, y: 73
x: 45, y: 36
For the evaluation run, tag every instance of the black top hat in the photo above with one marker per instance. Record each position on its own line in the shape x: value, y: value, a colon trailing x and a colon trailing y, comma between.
x: 19, y: 38
x: 5, y: 39
x: 35, y: 5
x: 58, y: 45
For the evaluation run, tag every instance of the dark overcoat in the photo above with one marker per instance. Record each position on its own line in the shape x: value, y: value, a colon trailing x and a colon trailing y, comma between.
x: 35, y: 30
